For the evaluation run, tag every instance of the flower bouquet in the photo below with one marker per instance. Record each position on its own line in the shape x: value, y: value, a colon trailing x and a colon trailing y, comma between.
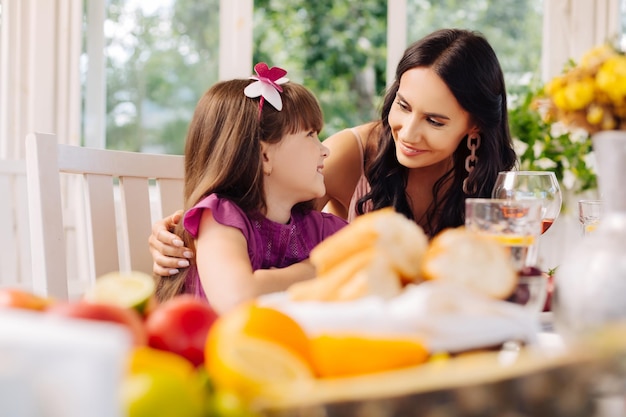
x: 592, y: 94
x: 552, y: 125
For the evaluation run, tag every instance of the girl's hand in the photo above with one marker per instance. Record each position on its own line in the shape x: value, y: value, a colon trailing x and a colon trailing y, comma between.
x: 167, y: 249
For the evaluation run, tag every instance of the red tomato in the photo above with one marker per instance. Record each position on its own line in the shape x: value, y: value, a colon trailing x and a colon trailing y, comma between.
x: 181, y: 325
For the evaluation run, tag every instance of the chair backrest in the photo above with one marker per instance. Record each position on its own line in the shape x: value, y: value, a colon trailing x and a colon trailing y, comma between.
x: 110, y: 203
x: 15, y: 268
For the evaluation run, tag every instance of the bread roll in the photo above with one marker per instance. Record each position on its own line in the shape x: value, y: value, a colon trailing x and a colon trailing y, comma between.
x: 475, y: 261
x: 373, y: 255
x: 391, y: 235
x: 325, y: 287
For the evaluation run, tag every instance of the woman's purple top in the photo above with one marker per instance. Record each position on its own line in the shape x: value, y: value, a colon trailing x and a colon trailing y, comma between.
x: 270, y: 244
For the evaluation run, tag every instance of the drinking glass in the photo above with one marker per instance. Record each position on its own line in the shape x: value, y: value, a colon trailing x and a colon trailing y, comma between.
x: 589, y: 212
x: 531, y: 185
x: 516, y: 225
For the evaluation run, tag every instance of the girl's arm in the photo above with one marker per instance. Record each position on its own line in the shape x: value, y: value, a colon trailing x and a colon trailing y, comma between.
x: 225, y: 270
x: 342, y: 169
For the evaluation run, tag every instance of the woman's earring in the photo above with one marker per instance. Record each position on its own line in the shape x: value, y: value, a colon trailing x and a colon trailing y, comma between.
x: 473, y: 143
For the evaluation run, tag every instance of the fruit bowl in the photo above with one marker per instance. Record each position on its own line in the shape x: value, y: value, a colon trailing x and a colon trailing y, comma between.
x: 524, y: 382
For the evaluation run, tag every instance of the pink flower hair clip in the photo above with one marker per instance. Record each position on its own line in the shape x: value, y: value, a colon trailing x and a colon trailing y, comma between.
x: 267, y: 85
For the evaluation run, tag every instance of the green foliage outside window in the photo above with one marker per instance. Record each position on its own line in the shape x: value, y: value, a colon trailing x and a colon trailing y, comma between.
x: 335, y: 48
x: 160, y: 61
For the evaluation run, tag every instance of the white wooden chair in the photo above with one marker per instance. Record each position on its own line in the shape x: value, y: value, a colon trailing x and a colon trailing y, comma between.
x: 110, y: 203
x: 15, y: 268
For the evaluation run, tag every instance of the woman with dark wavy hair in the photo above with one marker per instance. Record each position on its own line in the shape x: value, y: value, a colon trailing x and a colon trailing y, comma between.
x: 443, y: 136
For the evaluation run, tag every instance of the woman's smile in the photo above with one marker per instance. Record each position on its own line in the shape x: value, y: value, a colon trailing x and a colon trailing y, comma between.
x: 408, y: 150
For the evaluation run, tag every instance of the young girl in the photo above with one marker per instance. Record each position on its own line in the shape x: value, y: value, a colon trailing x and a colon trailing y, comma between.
x: 253, y: 166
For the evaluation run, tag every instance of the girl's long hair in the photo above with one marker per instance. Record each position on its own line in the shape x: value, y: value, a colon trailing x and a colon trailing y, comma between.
x: 223, y: 150
x: 468, y: 65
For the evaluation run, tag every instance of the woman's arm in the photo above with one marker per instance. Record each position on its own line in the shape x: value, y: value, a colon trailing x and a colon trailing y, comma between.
x: 225, y: 270
x: 342, y: 169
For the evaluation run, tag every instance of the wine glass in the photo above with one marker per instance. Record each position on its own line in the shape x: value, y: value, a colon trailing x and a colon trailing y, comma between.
x: 531, y: 185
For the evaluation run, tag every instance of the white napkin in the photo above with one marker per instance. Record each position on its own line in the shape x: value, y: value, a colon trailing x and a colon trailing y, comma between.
x: 447, y: 317
x: 57, y: 367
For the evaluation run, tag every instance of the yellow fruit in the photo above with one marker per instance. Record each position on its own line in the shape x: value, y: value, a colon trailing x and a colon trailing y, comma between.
x: 228, y: 404
x: 337, y: 355
x: 146, y: 359
x: 129, y: 290
x: 159, y: 393
x: 252, y: 348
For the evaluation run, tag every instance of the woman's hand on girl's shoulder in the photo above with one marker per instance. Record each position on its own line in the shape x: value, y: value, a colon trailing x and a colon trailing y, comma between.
x: 168, y: 251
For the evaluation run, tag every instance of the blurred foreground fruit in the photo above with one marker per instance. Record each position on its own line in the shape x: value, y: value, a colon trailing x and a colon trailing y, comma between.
x: 128, y: 290
x: 338, y: 355
x: 181, y: 325
x: 161, y: 383
x: 228, y: 404
x: 16, y: 298
x: 253, y: 349
x: 104, y: 312
x: 145, y: 358
x: 161, y: 393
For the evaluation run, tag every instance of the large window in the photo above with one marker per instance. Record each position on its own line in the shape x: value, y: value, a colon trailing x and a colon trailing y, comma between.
x: 335, y: 48
x: 338, y: 49
x: 161, y: 55
x: 512, y: 27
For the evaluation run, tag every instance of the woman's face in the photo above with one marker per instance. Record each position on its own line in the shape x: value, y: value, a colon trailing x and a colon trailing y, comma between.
x: 427, y: 122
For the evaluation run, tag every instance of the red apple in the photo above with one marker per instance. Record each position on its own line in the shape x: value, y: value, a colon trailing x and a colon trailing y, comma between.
x: 107, y: 313
x: 16, y: 298
x: 181, y: 325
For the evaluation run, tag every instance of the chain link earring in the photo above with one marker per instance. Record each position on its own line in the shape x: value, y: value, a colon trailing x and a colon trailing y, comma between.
x: 473, y: 143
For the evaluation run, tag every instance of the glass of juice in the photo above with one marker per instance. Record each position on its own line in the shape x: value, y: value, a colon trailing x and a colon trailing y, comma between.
x: 516, y: 224
x: 589, y: 212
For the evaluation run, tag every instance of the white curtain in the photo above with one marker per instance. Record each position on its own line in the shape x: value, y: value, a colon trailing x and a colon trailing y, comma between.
x: 39, y: 71
x: 571, y: 27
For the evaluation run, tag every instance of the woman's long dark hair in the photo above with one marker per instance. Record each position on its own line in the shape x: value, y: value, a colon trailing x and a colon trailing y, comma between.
x: 465, y: 61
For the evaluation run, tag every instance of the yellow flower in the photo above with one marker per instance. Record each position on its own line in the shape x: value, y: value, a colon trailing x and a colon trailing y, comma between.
x: 579, y: 94
x: 596, y: 56
x: 611, y: 78
x: 591, y: 95
x: 595, y: 114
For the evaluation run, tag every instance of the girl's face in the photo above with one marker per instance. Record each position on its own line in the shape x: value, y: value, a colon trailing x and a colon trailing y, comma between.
x: 427, y: 122
x: 295, y: 167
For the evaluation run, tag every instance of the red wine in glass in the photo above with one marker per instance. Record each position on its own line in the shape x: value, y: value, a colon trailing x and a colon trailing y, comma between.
x: 545, y: 224
x: 531, y: 185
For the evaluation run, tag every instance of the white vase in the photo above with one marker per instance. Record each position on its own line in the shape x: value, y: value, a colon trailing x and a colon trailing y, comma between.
x: 591, y: 282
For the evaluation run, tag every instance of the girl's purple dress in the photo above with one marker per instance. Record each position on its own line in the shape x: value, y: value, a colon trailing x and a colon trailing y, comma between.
x: 270, y: 244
